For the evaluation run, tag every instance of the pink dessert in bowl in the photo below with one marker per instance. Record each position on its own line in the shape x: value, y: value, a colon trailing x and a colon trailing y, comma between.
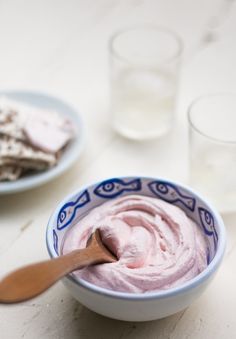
x: 157, y: 245
x: 169, y: 241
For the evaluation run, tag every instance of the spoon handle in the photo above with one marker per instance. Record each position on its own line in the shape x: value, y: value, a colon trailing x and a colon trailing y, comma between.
x: 29, y: 281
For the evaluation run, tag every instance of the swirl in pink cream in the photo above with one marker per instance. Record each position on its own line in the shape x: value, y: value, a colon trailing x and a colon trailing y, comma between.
x: 158, y: 246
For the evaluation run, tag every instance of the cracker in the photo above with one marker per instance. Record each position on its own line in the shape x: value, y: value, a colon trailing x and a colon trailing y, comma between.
x: 30, y: 138
x: 16, y: 152
x: 10, y: 173
x: 11, y: 120
x: 15, y: 116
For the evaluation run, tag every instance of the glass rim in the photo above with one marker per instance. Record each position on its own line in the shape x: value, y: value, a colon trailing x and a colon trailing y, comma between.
x: 194, y: 127
x: 158, y: 28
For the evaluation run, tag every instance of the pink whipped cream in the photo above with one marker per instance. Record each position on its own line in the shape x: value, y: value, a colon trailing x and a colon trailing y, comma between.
x: 158, y: 246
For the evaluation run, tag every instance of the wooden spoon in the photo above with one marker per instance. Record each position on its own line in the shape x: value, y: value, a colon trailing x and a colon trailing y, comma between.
x: 29, y: 281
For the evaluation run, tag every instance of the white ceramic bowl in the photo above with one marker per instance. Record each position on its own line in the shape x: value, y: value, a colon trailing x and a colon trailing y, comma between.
x: 141, y: 306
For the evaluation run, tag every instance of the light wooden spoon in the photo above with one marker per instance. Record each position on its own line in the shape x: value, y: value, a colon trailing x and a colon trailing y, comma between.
x: 29, y: 281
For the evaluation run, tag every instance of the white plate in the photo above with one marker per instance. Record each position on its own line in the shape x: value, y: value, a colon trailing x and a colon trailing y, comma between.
x: 69, y: 156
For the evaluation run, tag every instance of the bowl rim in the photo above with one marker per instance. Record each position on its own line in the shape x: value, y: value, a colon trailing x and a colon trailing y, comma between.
x: 174, y: 291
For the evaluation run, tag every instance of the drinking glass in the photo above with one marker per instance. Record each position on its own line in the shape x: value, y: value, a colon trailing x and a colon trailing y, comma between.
x: 212, y: 133
x: 144, y: 64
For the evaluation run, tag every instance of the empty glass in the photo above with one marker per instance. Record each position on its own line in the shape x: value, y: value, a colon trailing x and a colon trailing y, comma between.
x: 144, y: 73
x: 212, y: 132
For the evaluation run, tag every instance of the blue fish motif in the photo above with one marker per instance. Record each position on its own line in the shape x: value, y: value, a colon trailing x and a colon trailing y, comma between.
x: 113, y: 187
x: 55, y: 241
x: 68, y: 211
x: 208, y: 225
x: 171, y: 193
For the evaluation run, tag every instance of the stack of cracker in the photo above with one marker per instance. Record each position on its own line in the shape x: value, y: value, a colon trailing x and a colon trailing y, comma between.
x: 31, y: 139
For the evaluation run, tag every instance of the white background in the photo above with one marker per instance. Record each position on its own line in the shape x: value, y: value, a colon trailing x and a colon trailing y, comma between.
x: 60, y: 47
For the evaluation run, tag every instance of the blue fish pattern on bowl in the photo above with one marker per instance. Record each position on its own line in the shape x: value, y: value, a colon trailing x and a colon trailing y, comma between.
x: 208, y: 225
x: 170, y: 193
x: 55, y: 241
x: 115, y: 187
x: 68, y: 212
x: 81, y: 203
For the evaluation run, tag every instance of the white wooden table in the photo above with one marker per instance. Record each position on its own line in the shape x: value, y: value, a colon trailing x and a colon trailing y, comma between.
x: 60, y: 47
